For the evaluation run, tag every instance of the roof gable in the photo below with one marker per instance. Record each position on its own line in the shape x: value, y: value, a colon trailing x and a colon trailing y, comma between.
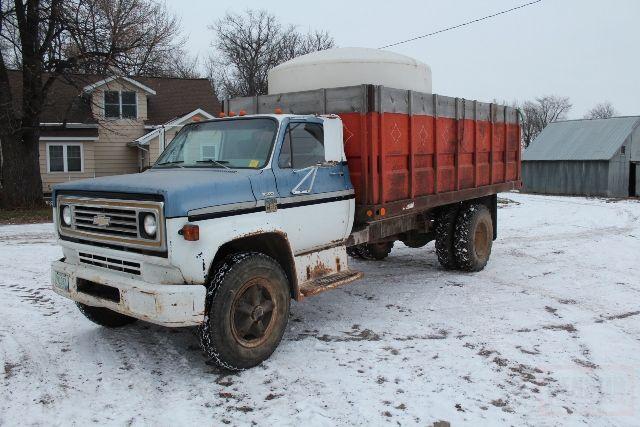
x: 94, y: 86
x: 598, y: 139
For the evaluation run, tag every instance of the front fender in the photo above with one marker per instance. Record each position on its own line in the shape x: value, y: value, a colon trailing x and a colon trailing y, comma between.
x: 194, y: 258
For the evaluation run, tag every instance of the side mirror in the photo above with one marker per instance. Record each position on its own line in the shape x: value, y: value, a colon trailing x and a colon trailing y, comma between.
x: 333, y: 145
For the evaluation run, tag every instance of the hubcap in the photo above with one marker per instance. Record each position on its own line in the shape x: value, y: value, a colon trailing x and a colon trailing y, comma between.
x: 252, y: 313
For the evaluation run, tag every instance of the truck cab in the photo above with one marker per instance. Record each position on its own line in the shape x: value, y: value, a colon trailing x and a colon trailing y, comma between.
x: 238, y: 215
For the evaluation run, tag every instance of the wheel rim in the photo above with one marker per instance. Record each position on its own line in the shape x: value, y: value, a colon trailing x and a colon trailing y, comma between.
x: 253, y: 313
x: 481, y: 240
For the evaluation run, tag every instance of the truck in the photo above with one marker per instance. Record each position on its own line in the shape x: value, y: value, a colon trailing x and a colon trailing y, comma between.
x: 267, y: 203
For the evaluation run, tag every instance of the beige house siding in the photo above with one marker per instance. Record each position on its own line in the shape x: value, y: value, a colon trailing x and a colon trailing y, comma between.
x: 51, y: 178
x: 113, y: 154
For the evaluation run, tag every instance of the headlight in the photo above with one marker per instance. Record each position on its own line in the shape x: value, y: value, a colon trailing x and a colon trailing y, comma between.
x: 66, y: 216
x: 150, y: 225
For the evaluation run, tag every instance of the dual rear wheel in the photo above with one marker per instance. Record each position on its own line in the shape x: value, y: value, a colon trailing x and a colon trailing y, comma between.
x: 371, y: 251
x: 464, y: 237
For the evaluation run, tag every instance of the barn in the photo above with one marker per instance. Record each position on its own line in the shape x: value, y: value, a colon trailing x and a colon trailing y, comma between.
x: 598, y: 157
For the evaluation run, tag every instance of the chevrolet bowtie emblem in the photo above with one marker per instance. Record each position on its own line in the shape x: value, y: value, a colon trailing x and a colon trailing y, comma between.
x: 101, y: 220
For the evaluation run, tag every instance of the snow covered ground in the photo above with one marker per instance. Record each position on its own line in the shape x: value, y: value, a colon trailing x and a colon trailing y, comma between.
x: 547, y: 334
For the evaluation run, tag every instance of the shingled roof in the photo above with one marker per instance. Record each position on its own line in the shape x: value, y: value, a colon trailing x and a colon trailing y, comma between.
x: 595, y: 139
x: 174, y: 98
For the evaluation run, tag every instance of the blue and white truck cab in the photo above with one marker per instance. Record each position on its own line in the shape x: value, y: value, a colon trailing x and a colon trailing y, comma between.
x: 238, y: 216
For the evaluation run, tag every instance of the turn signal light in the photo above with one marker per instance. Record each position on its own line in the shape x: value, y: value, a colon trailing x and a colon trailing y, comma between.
x: 190, y: 232
x: 383, y: 211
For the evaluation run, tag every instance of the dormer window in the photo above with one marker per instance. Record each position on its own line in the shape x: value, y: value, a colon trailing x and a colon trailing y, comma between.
x: 120, y: 105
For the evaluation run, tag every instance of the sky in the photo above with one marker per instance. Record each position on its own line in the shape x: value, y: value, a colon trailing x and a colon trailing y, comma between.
x: 586, y: 50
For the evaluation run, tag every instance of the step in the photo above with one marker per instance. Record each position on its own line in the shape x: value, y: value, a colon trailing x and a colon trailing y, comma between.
x: 314, y: 287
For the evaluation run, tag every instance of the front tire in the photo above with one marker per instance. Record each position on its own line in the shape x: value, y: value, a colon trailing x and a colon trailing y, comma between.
x: 473, y: 238
x: 247, y: 310
x: 105, y: 317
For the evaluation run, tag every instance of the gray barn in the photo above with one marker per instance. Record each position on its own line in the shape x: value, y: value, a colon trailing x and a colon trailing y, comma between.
x: 598, y: 157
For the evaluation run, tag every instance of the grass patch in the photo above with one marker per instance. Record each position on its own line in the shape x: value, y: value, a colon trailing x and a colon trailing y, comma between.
x: 25, y: 216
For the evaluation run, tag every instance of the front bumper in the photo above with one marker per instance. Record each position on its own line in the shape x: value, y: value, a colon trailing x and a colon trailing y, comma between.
x: 162, y: 304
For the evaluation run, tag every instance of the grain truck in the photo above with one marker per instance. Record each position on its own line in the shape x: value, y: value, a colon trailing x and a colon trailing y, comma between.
x: 349, y: 153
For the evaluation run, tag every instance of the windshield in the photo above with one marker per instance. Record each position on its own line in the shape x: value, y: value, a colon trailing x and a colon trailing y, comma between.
x: 237, y: 143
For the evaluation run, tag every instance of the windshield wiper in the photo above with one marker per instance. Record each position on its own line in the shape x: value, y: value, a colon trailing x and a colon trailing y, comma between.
x: 220, y: 163
x: 175, y: 162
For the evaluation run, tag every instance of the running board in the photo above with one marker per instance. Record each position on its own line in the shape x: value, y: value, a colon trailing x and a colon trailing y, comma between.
x: 316, y: 286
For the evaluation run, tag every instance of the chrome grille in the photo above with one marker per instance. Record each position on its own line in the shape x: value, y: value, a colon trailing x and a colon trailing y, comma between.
x: 121, y: 222
x: 112, y: 221
x: 110, y: 263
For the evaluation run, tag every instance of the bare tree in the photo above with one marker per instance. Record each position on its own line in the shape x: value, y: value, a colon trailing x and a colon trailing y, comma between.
x: 46, y: 39
x: 603, y: 110
x: 539, y: 113
x: 248, y: 45
x: 149, y: 32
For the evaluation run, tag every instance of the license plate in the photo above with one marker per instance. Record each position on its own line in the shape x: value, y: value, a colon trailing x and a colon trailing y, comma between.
x: 61, y: 281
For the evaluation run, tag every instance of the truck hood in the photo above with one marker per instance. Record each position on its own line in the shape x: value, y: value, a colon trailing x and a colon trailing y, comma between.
x: 182, y: 189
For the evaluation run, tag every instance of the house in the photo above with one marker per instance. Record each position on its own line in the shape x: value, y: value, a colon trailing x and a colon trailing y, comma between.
x: 107, y: 125
x: 598, y: 157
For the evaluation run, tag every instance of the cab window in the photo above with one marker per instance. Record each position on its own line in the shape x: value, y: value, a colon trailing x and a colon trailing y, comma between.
x: 303, y: 146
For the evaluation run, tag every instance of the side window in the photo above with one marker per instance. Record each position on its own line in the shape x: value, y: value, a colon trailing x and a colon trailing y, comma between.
x: 129, y: 106
x: 112, y: 104
x: 120, y: 105
x: 74, y: 158
x: 56, y: 158
x: 303, y: 146
x: 64, y: 157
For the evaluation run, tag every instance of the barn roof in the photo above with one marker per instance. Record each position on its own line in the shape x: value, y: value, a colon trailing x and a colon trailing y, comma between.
x: 596, y: 139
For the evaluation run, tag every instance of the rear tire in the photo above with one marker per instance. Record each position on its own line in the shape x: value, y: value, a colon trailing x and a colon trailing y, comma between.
x: 445, y: 224
x: 247, y: 309
x: 473, y: 238
x: 417, y: 240
x: 353, y: 252
x: 105, y: 317
x: 374, y: 251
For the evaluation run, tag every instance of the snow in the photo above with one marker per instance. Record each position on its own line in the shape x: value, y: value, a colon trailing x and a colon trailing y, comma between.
x: 547, y: 334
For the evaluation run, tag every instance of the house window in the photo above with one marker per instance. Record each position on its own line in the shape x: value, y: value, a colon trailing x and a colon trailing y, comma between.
x: 623, y: 150
x: 209, y: 152
x: 64, y: 158
x: 119, y: 104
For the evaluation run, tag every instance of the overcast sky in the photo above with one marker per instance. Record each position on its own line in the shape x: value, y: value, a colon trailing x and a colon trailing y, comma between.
x: 588, y: 50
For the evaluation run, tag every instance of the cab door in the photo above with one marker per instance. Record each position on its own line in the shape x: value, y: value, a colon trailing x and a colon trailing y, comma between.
x: 313, y: 195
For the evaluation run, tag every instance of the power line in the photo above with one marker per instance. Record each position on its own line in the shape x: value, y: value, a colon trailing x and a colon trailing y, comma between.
x: 463, y: 24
